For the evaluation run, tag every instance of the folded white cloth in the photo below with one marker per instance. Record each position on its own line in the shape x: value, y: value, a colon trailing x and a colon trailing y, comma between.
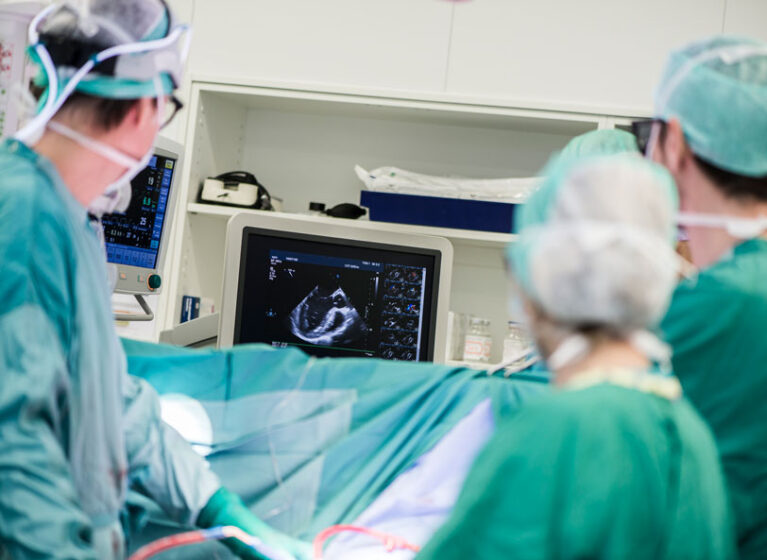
x: 393, y: 179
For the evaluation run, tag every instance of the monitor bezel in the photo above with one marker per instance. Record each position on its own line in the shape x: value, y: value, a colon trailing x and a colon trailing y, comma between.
x: 127, y: 275
x: 332, y: 230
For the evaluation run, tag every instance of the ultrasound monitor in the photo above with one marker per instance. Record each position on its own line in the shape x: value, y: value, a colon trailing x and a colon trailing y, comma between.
x: 335, y: 288
x: 137, y: 240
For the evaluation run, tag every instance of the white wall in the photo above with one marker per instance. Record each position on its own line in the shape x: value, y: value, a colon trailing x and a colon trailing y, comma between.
x: 601, y: 56
x: 746, y: 17
x: 183, y: 11
x: 401, y: 44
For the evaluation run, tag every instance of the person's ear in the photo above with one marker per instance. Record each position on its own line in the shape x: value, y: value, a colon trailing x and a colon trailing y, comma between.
x: 146, y: 111
x: 132, y: 120
x: 676, y: 153
x: 531, y: 311
x: 547, y: 333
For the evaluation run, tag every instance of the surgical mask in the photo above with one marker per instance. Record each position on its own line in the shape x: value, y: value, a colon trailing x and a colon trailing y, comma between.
x: 740, y: 228
x: 116, y: 197
x: 571, y: 350
x: 577, y: 346
x: 113, y: 202
x: 117, y: 194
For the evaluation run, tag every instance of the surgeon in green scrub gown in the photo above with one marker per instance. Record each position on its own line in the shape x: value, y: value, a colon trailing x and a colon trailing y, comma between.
x: 615, y: 463
x: 711, y: 134
x: 76, y: 431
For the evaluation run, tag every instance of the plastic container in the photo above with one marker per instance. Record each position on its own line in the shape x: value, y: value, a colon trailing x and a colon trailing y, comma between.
x: 517, y: 340
x: 478, y: 342
x: 434, y: 211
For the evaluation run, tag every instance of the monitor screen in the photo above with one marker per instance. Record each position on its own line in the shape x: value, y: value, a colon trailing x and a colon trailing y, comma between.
x: 133, y: 238
x: 335, y: 297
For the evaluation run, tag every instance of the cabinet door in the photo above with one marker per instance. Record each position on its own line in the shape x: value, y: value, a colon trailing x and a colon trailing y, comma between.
x: 746, y: 17
x: 604, y: 56
x: 399, y: 44
x: 183, y: 11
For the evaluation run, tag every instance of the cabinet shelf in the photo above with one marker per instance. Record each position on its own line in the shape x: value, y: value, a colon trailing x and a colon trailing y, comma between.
x: 302, y: 141
x: 456, y: 236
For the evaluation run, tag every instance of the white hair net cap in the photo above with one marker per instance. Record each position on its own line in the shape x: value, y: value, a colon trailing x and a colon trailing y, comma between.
x: 147, y: 53
x: 110, y: 22
x: 595, y: 244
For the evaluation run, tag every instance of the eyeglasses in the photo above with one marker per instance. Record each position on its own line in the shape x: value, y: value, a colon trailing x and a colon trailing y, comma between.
x: 643, y: 132
x: 171, y: 107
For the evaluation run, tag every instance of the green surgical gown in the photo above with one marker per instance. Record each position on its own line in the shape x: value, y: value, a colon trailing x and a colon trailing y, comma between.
x: 75, y: 429
x: 717, y: 327
x: 600, y: 472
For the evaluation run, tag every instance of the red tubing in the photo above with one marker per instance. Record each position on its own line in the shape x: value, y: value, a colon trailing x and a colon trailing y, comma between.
x: 390, y: 542
x: 166, y: 543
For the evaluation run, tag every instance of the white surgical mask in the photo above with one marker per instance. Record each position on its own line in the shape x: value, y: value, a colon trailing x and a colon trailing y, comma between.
x: 116, y: 201
x: 577, y: 346
x: 572, y: 349
x: 117, y: 194
x: 116, y: 197
x: 740, y: 228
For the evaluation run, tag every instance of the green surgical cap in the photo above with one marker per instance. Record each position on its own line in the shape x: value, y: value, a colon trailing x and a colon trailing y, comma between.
x: 592, y: 143
x: 595, y: 242
x: 717, y: 88
x: 600, y: 142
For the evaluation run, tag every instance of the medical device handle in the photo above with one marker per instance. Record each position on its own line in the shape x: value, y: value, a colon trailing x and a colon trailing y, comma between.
x: 147, y: 316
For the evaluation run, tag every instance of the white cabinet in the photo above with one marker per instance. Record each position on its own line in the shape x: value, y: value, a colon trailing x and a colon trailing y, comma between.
x: 299, y: 91
x: 590, y: 54
x: 303, y: 144
x: 400, y: 44
x: 183, y: 12
x: 597, y: 56
x: 746, y: 17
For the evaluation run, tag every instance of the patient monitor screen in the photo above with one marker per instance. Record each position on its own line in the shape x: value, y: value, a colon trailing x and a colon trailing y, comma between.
x: 331, y: 299
x: 134, y: 238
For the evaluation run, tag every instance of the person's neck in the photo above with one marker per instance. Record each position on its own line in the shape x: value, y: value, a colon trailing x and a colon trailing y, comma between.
x: 604, y: 355
x: 708, y: 244
x: 84, y: 173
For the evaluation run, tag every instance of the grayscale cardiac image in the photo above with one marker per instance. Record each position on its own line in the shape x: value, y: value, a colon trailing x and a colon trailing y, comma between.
x: 326, y: 319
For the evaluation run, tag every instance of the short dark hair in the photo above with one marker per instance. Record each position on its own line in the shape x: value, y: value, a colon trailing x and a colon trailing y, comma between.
x: 732, y: 185
x: 104, y: 113
x: 101, y: 112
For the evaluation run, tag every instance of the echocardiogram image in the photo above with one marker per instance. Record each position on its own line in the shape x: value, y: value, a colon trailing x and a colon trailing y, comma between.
x: 312, y: 302
x: 336, y: 301
x: 326, y: 319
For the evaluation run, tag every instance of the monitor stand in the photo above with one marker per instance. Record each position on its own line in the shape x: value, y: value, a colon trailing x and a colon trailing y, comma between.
x: 196, y: 333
